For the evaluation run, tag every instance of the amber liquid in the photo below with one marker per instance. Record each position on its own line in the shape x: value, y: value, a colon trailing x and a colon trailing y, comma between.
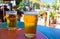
x: 30, y: 22
x: 11, y: 20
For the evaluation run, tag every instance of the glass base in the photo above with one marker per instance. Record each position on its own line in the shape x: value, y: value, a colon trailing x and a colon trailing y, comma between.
x: 30, y: 35
x: 11, y: 28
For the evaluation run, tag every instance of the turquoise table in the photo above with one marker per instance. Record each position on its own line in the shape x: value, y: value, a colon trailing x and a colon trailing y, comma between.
x: 50, y: 33
x: 19, y: 25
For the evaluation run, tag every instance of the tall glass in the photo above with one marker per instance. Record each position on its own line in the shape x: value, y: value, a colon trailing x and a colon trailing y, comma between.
x: 11, y: 17
x: 30, y: 22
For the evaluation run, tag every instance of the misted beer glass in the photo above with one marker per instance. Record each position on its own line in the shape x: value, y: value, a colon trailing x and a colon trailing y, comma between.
x: 30, y: 22
x: 11, y: 17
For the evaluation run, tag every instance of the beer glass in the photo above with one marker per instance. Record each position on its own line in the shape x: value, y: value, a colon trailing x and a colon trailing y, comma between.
x: 11, y: 17
x: 30, y: 22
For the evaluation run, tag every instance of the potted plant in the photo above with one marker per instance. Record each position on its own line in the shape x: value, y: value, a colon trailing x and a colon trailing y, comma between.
x: 53, y: 15
x: 52, y: 19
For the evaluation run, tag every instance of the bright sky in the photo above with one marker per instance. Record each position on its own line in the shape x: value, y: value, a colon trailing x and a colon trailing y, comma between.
x: 48, y: 1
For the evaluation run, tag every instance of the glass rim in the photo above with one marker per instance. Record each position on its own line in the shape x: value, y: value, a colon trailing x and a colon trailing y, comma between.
x: 31, y: 12
x: 11, y: 12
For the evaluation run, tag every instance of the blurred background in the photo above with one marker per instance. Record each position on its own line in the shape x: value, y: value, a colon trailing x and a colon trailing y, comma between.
x: 48, y: 11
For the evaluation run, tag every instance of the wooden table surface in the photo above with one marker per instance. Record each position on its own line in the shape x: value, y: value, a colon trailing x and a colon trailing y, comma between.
x: 17, y: 34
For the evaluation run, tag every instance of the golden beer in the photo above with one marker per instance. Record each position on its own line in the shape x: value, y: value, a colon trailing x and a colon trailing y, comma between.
x: 11, y: 21
x: 30, y: 22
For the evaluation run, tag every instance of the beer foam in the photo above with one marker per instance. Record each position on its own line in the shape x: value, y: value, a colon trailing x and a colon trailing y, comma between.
x: 11, y: 12
x: 31, y: 12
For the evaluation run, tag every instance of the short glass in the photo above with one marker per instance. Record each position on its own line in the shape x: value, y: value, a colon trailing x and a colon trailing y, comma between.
x: 30, y: 22
x: 11, y: 17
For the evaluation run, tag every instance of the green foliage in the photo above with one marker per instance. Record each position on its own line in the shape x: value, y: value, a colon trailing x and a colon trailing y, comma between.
x: 53, y: 17
x: 36, y: 5
x: 52, y: 14
x: 0, y: 1
x: 18, y: 2
x: 47, y: 6
x: 22, y: 5
x: 54, y: 5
